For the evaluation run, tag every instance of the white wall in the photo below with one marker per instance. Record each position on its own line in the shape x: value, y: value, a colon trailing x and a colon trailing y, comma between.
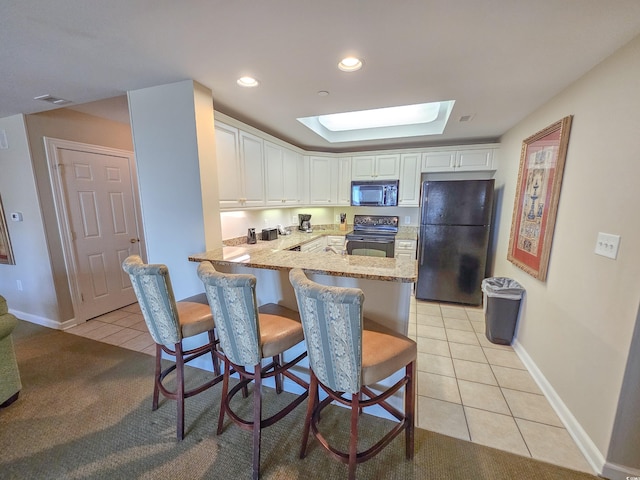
x: 37, y: 300
x: 172, y: 130
x: 576, y: 327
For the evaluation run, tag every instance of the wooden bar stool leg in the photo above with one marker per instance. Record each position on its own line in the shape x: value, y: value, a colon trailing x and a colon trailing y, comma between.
x: 353, y: 436
x: 311, y: 404
x: 180, y: 390
x: 214, y: 357
x: 223, y: 401
x: 257, y: 420
x: 409, y: 409
x: 156, y: 380
x: 277, y: 361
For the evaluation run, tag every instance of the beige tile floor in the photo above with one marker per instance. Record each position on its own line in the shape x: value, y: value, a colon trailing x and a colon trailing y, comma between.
x: 467, y: 387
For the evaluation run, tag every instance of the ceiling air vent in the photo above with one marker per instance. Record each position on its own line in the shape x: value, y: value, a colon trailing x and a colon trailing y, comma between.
x: 54, y: 100
x: 465, y: 118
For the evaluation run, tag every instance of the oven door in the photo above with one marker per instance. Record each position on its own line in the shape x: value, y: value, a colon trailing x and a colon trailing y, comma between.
x: 371, y: 247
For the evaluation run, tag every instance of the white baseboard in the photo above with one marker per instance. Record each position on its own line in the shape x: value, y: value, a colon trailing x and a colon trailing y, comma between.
x: 592, y: 454
x: 613, y: 471
x: 45, y: 322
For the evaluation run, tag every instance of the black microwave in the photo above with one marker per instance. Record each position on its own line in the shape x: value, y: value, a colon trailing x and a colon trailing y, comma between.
x: 376, y: 193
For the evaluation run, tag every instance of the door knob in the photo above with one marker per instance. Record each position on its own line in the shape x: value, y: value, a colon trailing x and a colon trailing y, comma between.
x: 134, y: 240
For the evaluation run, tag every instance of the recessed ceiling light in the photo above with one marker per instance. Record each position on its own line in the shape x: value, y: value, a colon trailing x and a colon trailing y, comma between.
x: 323, y: 93
x: 350, y: 64
x: 248, y: 82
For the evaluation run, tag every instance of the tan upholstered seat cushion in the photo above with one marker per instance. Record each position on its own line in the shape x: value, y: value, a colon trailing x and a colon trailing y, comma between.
x: 194, y: 318
x: 280, y: 329
x: 384, y: 352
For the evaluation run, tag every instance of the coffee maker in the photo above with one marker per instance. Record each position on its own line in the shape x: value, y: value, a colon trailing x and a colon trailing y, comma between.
x: 304, y: 222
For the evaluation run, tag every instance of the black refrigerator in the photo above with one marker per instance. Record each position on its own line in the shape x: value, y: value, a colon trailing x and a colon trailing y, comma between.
x: 455, y: 222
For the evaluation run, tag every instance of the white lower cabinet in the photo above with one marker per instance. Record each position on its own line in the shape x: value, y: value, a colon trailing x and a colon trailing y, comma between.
x: 338, y: 241
x: 314, y: 245
x: 405, y: 248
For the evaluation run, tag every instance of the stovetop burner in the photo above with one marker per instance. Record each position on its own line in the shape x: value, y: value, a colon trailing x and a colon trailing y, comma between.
x: 374, y: 226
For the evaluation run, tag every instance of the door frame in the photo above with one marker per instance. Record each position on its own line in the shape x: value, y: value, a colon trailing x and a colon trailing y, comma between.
x: 64, y: 225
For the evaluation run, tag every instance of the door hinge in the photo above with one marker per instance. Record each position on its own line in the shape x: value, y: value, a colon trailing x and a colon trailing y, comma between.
x: 81, y: 297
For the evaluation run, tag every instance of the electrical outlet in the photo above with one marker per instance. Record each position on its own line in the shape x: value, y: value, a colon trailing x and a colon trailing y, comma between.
x: 407, y: 220
x: 338, y: 218
x: 607, y: 245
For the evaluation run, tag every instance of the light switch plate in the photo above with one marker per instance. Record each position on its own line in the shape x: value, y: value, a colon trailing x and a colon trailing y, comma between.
x: 607, y: 245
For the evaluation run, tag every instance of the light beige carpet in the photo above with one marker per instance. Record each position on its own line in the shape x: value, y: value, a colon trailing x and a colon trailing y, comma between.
x: 85, y: 413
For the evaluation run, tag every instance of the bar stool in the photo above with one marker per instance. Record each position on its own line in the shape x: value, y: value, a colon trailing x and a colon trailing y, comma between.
x: 247, y: 336
x: 346, y: 354
x: 169, y: 322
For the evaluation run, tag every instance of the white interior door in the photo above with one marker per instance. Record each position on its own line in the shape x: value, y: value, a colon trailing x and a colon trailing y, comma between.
x: 98, y: 199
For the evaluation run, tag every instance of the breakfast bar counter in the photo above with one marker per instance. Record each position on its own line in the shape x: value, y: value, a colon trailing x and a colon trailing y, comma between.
x: 386, y: 282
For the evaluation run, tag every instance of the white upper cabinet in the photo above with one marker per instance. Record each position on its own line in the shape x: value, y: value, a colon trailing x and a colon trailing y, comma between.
x: 462, y: 160
x: 481, y: 159
x: 376, y: 167
x: 323, y: 181
x: 240, y: 168
x: 283, y: 171
x: 252, y: 166
x: 344, y: 180
x: 229, y: 173
x: 409, y: 194
x: 438, y: 161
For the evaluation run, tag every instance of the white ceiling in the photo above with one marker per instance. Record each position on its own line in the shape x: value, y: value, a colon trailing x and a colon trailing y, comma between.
x: 498, y: 59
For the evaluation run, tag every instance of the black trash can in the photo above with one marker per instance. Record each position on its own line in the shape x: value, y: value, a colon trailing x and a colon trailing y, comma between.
x: 502, y: 298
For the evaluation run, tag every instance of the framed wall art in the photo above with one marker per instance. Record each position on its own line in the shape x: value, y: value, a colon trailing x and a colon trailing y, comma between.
x: 542, y: 161
x: 6, y: 255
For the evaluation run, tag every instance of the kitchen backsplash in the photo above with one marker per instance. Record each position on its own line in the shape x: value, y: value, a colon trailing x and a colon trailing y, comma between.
x: 235, y: 224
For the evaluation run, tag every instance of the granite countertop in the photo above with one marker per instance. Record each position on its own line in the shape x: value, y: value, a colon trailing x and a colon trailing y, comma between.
x: 275, y: 255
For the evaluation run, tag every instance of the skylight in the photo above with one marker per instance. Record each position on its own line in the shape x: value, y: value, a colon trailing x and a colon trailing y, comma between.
x: 389, y: 122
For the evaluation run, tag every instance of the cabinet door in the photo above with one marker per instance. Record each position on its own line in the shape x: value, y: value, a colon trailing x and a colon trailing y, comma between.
x: 481, y: 159
x: 363, y: 168
x: 274, y: 174
x: 405, y: 249
x: 388, y: 167
x: 438, y: 161
x: 291, y: 177
x: 409, y: 195
x: 344, y: 179
x: 252, y: 169
x: 229, y: 172
x: 322, y: 181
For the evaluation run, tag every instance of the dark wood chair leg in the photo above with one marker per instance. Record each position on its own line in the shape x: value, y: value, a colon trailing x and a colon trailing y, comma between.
x: 214, y: 357
x: 409, y: 410
x: 353, y: 435
x: 223, y: 398
x: 277, y: 361
x: 157, y: 380
x: 257, y: 420
x: 311, y: 404
x: 180, y: 390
